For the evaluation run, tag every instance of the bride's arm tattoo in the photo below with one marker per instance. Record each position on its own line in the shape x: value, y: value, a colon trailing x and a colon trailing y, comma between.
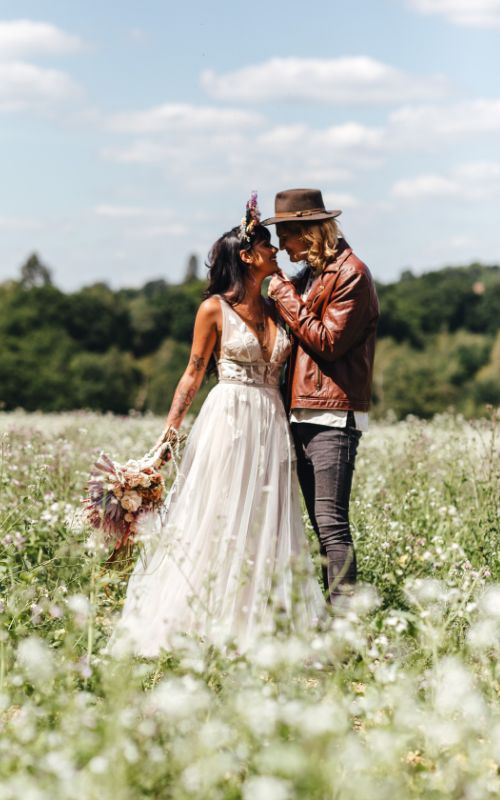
x: 182, y: 400
x: 198, y: 362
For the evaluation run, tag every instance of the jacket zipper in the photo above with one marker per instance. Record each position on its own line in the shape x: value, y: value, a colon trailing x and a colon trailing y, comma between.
x: 318, y: 378
x: 320, y: 289
x: 286, y: 312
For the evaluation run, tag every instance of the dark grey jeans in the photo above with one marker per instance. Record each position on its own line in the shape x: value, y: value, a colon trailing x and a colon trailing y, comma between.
x: 325, y: 463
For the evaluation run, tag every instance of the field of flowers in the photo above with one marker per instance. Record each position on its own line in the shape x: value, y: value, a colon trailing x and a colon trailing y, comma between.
x: 398, y: 698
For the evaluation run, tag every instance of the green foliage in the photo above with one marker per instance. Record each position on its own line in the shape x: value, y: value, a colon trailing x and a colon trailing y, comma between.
x: 448, y: 299
x: 35, y: 370
x: 397, y: 698
x: 164, y: 370
x: 426, y: 381
x: 105, y: 381
x: 435, y: 340
x: 97, y: 320
x: 435, y: 343
x: 94, y: 348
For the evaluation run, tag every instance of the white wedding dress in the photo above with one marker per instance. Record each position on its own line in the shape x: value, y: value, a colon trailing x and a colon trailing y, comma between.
x: 231, y: 551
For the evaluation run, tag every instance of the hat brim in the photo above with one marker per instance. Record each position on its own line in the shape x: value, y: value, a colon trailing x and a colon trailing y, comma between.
x: 305, y: 218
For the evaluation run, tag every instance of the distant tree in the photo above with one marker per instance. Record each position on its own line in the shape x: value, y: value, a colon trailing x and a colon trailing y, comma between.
x: 152, y: 288
x: 34, y: 273
x: 192, y: 269
x: 407, y: 275
x: 105, y: 381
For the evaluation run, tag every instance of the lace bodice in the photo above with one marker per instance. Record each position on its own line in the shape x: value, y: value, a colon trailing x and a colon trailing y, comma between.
x: 241, y: 360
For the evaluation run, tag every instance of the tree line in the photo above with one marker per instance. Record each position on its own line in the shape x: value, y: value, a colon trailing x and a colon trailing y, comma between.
x: 439, y: 342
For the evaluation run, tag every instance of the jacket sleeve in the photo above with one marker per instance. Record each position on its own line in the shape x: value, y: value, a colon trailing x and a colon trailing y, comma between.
x: 343, y: 323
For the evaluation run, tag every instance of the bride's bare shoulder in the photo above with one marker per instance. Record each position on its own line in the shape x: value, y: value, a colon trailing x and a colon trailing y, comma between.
x: 210, y: 310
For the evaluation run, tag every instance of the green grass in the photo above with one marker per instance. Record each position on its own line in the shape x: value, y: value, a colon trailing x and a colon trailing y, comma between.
x: 396, y: 699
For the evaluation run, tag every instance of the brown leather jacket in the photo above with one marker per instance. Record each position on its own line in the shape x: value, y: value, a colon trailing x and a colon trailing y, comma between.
x: 333, y: 335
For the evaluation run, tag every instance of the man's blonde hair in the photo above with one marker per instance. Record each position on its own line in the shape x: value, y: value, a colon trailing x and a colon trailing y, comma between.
x: 321, y: 240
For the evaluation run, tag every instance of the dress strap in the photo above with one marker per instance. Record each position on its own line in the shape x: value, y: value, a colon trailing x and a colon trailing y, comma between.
x: 225, y: 308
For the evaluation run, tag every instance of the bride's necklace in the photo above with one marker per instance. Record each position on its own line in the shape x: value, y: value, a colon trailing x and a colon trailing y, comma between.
x: 262, y: 328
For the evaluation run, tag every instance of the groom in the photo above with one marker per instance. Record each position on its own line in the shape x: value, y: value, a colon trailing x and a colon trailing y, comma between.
x: 332, y: 310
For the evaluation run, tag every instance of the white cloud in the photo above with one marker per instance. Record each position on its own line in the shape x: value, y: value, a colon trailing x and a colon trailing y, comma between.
x: 424, y: 125
x: 142, y: 223
x: 138, y: 36
x: 132, y: 212
x: 351, y: 80
x: 298, y: 141
x: 220, y: 158
x: 24, y: 38
x: 282, y: 154
x: 175, y: 137
x: 467, y: 13
x: 302, y: 139
x: 476, y: 182
x: 181, y: 117
x: 26, y: 86
x: 339, y: 200
x: 156, y: 231
x: 19, y: 224
x: 459, y: 242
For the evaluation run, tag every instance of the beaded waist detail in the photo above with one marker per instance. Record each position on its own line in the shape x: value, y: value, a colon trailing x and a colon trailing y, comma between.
x: 255, y: 373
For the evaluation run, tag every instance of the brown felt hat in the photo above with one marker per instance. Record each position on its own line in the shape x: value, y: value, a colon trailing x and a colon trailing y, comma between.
x: 299, y: 205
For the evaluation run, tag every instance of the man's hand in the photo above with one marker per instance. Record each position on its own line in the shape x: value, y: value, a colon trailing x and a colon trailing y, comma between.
x: 278, y: 277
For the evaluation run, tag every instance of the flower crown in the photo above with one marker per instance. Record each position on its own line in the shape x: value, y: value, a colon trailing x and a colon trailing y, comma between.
x: 251, y: 218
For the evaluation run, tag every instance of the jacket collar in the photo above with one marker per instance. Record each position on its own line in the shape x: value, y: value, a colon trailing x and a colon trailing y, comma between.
x: 343, y: 253
x: 318, y: 284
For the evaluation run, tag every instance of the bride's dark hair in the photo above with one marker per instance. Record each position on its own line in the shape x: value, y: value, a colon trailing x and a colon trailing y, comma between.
x: 226, y: 270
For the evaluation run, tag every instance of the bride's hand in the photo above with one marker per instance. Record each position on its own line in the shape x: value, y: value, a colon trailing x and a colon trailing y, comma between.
x: 168, y: 454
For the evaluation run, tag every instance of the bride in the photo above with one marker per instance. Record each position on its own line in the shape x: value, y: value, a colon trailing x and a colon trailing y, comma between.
x: 231, y: 552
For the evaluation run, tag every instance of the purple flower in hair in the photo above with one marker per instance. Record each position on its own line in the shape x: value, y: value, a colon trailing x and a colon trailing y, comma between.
x: 252, y: 216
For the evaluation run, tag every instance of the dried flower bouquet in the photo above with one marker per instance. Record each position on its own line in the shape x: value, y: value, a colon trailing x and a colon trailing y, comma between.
x: 118, y: 495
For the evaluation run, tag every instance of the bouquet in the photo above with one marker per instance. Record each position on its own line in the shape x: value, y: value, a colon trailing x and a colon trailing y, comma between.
x: 117, y: 495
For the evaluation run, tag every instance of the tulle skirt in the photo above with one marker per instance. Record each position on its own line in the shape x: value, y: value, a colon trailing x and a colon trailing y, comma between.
x: 229, y: 552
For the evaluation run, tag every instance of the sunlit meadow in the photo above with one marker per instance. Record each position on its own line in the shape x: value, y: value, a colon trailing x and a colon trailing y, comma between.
x: 396, y: 698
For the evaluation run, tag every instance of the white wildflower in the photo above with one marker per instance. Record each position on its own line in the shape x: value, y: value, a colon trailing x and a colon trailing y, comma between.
x: 98, y: 765
x: 35, y: 658
x: 483, y: 635
x: 264, y: 787
x: 80, y: 606
x: 365, y: 599
x: 490, y: 603
x: 179, y: 698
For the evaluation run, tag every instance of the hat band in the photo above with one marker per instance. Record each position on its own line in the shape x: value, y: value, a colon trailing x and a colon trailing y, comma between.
x: 299, y: 213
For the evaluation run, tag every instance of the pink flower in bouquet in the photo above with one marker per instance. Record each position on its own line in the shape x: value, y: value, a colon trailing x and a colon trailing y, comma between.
x: 118, y: 495
x: 131, y: 501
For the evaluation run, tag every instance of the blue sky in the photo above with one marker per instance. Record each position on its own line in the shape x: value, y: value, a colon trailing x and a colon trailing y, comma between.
x: 132, y: 133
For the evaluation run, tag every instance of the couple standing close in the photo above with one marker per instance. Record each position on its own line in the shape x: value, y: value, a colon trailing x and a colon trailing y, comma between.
x: 231, y: 551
